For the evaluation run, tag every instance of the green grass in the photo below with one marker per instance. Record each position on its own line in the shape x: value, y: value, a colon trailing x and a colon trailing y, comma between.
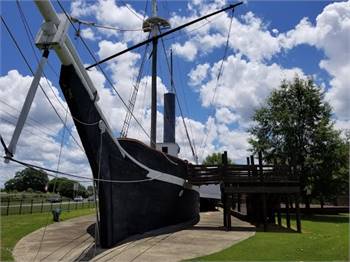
x: 14, y: 227
x: 324, y: 238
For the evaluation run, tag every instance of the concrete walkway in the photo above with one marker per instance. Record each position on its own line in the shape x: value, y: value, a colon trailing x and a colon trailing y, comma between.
x: 69, y: 241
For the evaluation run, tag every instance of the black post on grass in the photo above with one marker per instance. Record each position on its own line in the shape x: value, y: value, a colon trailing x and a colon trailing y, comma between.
x: 31, y: 206
x: 261, y: 174
x: 279, y: 217
x: 51, y: 207
x: 42, y: 205
x: 297, y: 212
x: 287, y: 212
x: 228, y: 200
x: 20, y: 206
x: 8, y: 207
x: 68, y: 205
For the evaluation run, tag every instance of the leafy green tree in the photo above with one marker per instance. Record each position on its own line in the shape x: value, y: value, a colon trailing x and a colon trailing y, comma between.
x: 215, y: 159
x: 294, y: 127
x: 26, y: 179
x: 65, y: 187
x: 90, y: 190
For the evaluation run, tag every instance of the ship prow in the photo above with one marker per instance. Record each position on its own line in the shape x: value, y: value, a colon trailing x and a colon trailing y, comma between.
x: 139, y: 188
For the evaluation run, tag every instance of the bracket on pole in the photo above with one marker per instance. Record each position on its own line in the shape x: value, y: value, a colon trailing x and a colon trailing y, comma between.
x: 52, y: 35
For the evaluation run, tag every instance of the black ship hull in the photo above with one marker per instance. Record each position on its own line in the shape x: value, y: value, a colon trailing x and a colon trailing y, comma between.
x: 139, y: 188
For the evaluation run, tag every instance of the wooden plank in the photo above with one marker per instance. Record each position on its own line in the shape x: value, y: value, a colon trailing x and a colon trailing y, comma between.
x: 262, y: 189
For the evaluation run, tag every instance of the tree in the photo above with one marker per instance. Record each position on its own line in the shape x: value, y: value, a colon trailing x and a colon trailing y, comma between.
x: 294, y: 127
x: 215, y: 159
x: 90, y: 190
x: 65, y: 187
x: 26, y: 179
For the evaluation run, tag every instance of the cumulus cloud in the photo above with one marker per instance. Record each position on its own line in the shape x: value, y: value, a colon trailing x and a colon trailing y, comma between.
x: 187, y: 51
x: 110, y: 13
x: 198, y: 74
x: 40, y: 140
x: 249, y: 35
x: 331, y: 33
x: 88, y: 34
x: 243, y: 86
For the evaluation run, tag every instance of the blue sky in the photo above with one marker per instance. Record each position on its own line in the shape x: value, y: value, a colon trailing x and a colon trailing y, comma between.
x: 269, y: 41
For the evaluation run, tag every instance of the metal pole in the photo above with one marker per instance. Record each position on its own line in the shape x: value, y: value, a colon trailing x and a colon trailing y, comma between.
x: 27, y: 104
x: 31, y: 206
x: 8, y: 207
x: 171, y: 71
x: 154, y: 79
x: 20, y: 207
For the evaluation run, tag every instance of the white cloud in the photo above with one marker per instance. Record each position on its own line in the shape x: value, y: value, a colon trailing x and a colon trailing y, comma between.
x: 187, y: 51
x: 87, y: 33
x: 224, y: 115
x: 109, y: 13
x: 243, y: 86
x: 40, y: 140
x: 249, y: 35
x: 331, y: 33
x: 198, y: 74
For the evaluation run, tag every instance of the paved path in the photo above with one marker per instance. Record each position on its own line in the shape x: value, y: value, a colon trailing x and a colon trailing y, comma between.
x: 68, y: 241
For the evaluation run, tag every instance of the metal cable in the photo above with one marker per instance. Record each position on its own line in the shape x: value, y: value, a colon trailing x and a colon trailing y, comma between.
x: 31, y: 70
x: 220, y: 72
x: 36, y: 167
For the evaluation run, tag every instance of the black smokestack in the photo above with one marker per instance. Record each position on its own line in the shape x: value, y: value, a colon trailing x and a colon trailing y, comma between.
x: 169, y: 118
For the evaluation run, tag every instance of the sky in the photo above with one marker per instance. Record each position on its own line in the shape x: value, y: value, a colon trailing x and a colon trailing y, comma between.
x: 269, y: 41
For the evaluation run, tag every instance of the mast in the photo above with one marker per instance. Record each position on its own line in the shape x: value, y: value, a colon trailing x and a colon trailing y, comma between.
x: 153, y: 25
x: 171, y: 72
x: 154, y: 78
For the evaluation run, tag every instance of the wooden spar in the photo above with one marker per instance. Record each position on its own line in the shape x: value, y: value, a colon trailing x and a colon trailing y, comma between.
x: 163, y: 34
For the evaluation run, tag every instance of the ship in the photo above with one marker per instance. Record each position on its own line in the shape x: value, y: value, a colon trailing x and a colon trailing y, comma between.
x: 140, y: 187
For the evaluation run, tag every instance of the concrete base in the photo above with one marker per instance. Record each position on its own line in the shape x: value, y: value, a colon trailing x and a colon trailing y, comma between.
x: 69, y: 241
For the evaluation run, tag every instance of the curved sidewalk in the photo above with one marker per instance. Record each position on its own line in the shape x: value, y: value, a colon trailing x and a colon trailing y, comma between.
x: 69, y: 241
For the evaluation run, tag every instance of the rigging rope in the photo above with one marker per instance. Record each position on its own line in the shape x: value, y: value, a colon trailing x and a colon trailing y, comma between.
x: 36, y: 167
x: 46, y: 133
x: 181, y: 33
x: 27, y: 29
x: 220, y: 72
x: 93, y: 24
x: 42, y: 138
x: 103, y: 72
x: 54, y: 183
x: 31, y: 40
x: 132, y: 100
x: 41, y: 87
x: 131, y: 10
x: 29, y: 117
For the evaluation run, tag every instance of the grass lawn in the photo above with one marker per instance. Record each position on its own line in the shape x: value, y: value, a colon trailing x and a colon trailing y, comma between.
x: 324, y: 237
x: 14, y: 227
